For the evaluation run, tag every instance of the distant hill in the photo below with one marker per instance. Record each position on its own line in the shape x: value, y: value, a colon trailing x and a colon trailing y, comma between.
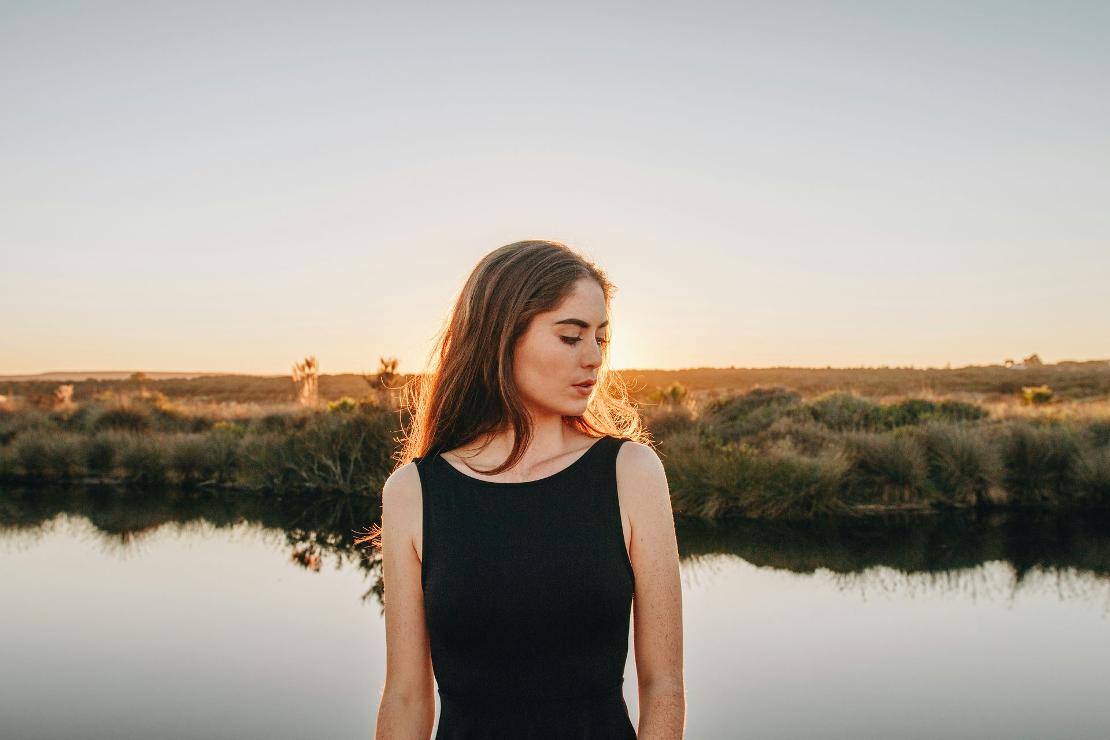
x: 78, y: 375
x: 1069, y: 380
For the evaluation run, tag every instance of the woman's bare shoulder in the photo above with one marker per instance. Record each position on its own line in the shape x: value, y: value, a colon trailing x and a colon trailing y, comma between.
x: 401, y: 498
x: 641, y: 479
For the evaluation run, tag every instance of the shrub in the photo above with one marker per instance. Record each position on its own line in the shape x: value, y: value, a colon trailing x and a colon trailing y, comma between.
x: 65, y: 455
x: 885, y: 468
x: 1093, y: 475
x: 9, y: 465
x: 144, y: 460
x: 343, y: 405
x: 1039, y: 462
x: 1099, y: 433
x: 845, y: 412
x: 124, y: 418
x: 732, y: 419
x: 962, y: 465
x: 100, y: 453
x: 1036, y: 394
x: 32, y: 454
x: 188, y: 457
x: 667, y: 422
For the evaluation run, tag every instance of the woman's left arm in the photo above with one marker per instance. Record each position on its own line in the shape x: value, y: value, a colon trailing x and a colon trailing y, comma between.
x: 657, y: 606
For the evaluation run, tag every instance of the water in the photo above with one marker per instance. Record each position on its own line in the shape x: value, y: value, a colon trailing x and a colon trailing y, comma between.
x: 137, y: 615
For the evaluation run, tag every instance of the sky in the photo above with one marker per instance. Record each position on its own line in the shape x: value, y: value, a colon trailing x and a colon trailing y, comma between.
x: 234, y: 186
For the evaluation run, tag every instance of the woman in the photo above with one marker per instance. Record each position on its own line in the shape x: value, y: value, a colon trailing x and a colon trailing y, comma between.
x: 524, y: 516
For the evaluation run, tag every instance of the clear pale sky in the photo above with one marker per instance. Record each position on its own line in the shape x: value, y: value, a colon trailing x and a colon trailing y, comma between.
x: 232, y: 186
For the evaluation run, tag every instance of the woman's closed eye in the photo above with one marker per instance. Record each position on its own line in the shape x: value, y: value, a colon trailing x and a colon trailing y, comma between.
x: 575, y: 340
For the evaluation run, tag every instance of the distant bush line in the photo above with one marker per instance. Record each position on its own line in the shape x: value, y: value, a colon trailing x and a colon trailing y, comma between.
x: 1069, y: 381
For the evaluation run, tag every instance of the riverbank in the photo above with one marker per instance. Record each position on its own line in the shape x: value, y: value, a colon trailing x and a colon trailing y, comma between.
x: 768, y: 453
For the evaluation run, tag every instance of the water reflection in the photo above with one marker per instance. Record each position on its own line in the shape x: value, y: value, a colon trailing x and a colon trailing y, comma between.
x: 947, y: 552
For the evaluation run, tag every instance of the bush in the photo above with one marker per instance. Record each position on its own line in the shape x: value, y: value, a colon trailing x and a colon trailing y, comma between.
x: 962, y: 465
x: 41, y: 454
x: 885, y: 468
x: 1039, y: 462
x: 124, y: 418
x: 845, y: 412
x: 32, y: 454
x: 667, y: 422
x: 188, y: 457
x: 100, y: 453
x: 732, y: 419
x: 343, y: 405
x: 145, y: 460
x: 1093, y: 475
x: 1036, y: 394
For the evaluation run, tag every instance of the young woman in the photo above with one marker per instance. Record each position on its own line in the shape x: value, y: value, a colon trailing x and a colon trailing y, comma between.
x: 525, y: 517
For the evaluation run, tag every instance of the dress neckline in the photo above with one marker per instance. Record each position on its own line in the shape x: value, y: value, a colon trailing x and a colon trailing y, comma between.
x: 526, y: 483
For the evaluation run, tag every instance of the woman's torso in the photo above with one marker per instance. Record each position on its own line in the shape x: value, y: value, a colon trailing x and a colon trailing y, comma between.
x: 528, y: 591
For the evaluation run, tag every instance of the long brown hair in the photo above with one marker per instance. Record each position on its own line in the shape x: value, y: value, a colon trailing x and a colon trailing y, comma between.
x: 468, y: 392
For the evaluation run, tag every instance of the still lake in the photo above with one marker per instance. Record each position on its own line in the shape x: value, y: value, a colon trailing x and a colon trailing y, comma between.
x: 150, y: 614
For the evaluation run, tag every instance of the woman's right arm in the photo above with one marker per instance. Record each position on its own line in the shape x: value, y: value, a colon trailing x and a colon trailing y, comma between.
x: 407, y: 708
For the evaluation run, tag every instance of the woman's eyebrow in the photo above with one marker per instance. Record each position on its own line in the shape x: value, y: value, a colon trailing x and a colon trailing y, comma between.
x: 580, y: 322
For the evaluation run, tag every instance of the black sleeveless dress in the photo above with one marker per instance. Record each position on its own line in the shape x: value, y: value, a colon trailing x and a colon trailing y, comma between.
x: 527, y: 597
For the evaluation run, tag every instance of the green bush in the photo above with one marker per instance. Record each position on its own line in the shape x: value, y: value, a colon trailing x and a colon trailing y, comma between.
x: 845, y: 412
x: 962, y: 464
x: 9, y: 465
x: 145, y: 460
x: 189, y: 457
x: 124, y: 418
x: 669, y: 421
x: 65, y: 455
x: 1036, y: 394
x: 1093, y: 475
x: 100, y: 453
x: 1039, y: 462
x: 732, y: 419
x: 885, y: 468
x: 32, y: 453
x: 343, y: 405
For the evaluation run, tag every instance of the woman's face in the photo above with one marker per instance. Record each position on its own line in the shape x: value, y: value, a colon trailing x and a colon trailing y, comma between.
x: 560, y: 349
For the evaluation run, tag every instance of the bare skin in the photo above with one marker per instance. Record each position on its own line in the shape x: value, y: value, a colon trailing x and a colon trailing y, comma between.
x: 549, y: 360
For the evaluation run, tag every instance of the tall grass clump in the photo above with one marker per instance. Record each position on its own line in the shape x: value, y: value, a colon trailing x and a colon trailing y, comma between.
x: 962, y: 465
x: 711, y: 480
x: 42, y: 454
x: 189, y: 458
x: 1039, y: 462
x: 1093, y: 475
x: 100, y: 452
x: 885, y: 468
x: 339, y: 451
x: 145, y: 460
